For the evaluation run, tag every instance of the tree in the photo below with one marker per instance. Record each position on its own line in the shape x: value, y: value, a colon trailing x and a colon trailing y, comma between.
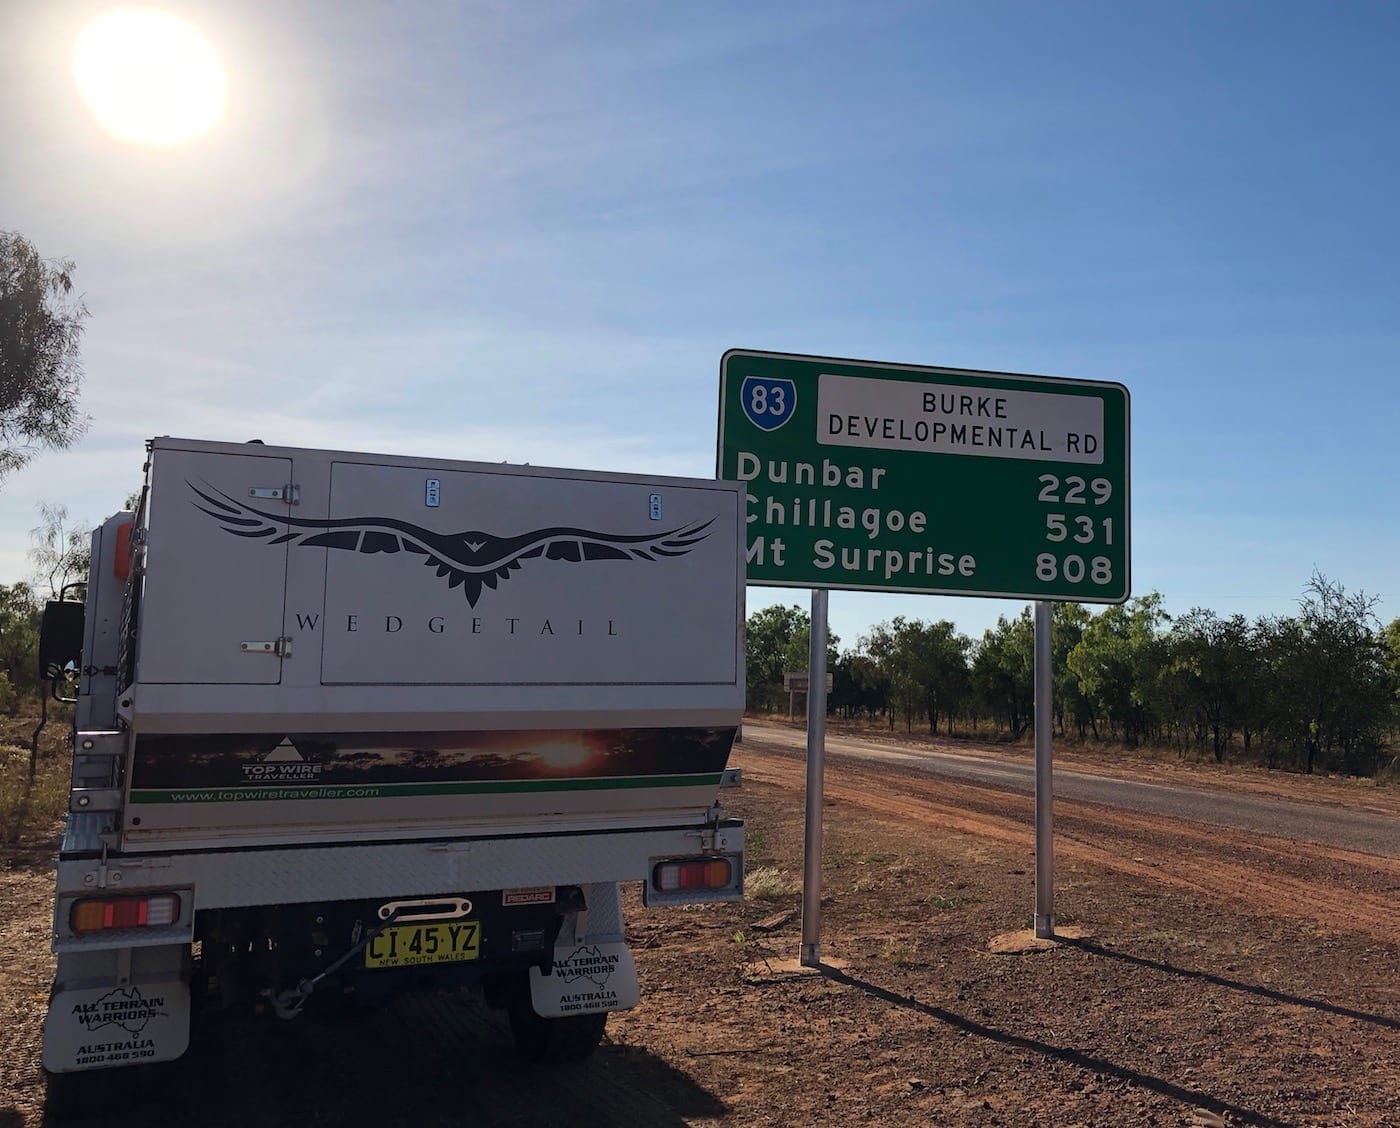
x: 1119, y: 662
x: 768, y: 634
x: 61, y: 556
x: 41, y: 324
x: 1391, y: 638
x: 1216, y: 656
x: 19, y: 644
x: 878, y: 666
x: 778, y: 639
x: 899, y: 645
x: 932, y: 659
x: 1067, y: 624
x: 860, y: 686
x: 1003, y: 671
x: 797, y: 654
x: 1334, y: 690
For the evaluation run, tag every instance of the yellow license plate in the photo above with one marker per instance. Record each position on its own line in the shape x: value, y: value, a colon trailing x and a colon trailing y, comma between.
x: 411, y: 945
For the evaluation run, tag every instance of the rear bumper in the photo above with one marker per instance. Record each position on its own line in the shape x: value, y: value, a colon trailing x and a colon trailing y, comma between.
x: 234, y: 878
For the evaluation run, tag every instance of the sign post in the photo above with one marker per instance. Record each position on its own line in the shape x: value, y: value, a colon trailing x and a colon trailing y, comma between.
x: 811, y: 955
x: 883, y: 477
x: 1044, y: 780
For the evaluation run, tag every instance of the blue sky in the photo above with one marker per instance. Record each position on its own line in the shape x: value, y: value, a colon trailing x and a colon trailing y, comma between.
x: 528, y: 231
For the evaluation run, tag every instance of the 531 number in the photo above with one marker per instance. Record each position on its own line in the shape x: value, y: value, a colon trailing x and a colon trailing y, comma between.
x: 1057, y: 529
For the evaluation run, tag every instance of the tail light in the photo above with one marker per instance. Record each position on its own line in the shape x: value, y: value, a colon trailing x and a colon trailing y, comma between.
x: 686, y: 874
x: 121, y: 558
x: 102, y: 914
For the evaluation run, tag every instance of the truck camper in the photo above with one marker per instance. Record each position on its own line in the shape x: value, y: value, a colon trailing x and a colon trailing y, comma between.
x: 350, y: 725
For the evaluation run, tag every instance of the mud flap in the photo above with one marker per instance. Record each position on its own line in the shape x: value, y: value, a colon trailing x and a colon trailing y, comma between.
x: 586, y: 978
x: 107, y: 1026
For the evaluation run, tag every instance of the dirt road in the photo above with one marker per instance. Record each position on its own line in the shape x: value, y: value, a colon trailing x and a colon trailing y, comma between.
x: 1311, y: 819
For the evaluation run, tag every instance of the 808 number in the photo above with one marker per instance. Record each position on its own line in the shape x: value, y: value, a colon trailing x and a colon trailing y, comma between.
x: 1048, y: 568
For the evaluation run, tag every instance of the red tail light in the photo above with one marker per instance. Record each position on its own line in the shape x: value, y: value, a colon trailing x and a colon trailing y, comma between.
x: 692, y: 873
x: 100, y: 914
x: 121, y: 559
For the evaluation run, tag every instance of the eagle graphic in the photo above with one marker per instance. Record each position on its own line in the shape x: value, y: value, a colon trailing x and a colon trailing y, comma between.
x: 471, y: 560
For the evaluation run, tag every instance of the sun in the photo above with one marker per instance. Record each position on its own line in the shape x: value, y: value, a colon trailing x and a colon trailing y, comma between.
x: 563, y: 754
x: 148, y: 76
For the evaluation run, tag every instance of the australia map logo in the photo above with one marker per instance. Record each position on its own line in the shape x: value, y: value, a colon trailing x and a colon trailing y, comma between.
x: 586, y: 963
x: 126, y: 1008
x: 472, y: 560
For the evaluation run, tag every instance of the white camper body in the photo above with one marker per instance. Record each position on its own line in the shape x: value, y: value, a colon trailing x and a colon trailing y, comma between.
x: 346, y: 718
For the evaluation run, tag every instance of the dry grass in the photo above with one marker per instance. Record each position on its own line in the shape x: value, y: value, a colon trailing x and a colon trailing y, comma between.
x: 900, y: 953
x: 31, y: 811
x: 767, y: 883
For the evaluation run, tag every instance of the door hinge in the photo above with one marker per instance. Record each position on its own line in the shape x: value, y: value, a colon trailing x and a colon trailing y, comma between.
x: 281, y: 647
x: 290, y: 493
x: 98, y: 760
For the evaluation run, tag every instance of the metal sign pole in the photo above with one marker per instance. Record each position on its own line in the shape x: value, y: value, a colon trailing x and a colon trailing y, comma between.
x: 816, y: 765
x: 1044, y: 788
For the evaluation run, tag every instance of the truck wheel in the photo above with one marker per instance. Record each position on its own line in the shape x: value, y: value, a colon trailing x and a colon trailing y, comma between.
x: 89, y: 1095
x: 551, y: 1040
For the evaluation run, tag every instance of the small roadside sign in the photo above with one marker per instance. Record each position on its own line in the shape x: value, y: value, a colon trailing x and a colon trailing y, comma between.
x: 801, y: 682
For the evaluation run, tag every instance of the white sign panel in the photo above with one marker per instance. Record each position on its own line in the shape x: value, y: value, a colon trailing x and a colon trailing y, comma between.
x: 854, y: 411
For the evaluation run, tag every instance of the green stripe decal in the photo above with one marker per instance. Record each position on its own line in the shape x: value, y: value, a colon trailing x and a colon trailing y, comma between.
x: 276, y: 792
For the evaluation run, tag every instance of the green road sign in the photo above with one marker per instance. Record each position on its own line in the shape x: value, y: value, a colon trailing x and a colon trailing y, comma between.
x: 884, y: 477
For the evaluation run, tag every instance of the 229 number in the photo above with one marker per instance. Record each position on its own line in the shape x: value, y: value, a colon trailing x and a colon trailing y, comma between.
x: 1075, y: 486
